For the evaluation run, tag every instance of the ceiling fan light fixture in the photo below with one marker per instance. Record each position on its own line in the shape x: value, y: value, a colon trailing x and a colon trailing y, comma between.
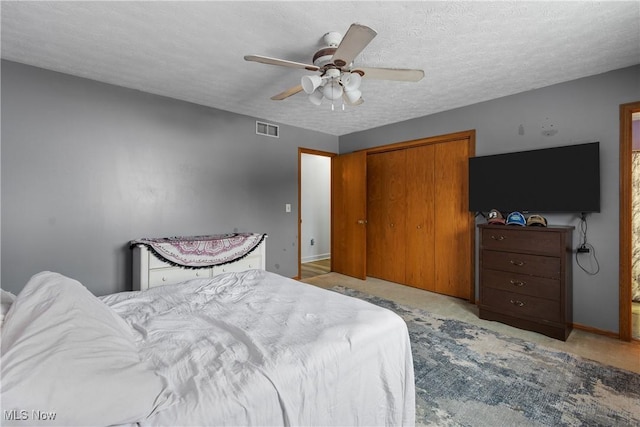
x: 310, y: 83
x: 316, y: 97
x: 353, y: 95
x: 351, y: 81
x: 332, y: 90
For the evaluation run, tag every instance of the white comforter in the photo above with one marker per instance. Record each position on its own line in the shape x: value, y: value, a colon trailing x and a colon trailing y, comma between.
x: 255, y: 348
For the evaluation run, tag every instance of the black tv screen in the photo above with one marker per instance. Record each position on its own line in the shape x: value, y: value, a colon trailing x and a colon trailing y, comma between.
x: 559, y: 179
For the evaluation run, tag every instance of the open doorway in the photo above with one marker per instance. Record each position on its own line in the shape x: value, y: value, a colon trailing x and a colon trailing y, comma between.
x: 629, y: 250
x: 635, y: 226
x: 314, y: 212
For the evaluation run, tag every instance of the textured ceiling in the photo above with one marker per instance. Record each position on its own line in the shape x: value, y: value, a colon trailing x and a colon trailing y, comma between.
x: 470, y: 51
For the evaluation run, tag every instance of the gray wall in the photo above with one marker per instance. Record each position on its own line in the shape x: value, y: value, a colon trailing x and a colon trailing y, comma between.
x: 87, y: 166
x: 583, y: 110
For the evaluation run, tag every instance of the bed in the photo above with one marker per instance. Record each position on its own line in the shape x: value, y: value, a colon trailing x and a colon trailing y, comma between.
x: 239, y: 348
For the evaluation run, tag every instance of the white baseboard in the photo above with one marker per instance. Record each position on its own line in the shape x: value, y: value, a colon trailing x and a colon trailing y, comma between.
x: 312, y: 258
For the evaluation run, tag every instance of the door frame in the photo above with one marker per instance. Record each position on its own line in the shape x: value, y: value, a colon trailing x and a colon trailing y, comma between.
x: 301, y: 151
x: 626, y: 112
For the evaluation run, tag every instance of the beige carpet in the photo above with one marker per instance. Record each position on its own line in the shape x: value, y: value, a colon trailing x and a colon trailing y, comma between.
x: 592, y: 346
x: 466, y: 375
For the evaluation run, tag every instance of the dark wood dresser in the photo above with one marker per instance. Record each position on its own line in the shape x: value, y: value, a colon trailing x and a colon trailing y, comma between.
x: 526, y: 277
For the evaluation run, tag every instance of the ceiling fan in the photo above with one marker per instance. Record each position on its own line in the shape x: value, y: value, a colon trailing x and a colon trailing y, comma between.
x: 337, y: 77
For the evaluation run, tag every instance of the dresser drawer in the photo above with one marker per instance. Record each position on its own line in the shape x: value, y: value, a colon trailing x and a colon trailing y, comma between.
x: 155, y: 262
x: 150, y: 270
x: 535, y: 265
x: 163, y: 276
x: 521, y: 305
x: 542, y: 287
x: 506, y: 238
x: 247, y: 263
x: 526, y: 277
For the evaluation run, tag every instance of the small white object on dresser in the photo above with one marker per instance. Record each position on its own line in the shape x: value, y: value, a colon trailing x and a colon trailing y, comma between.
x: 149, y: 270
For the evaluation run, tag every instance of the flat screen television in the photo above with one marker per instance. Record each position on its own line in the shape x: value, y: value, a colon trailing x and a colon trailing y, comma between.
x: 558, y: 179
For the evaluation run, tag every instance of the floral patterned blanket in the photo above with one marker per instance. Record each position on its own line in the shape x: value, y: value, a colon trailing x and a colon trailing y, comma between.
x: 202, y: 251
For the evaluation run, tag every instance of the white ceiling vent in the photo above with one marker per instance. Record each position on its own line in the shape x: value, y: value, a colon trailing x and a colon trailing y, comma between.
x: 268, y: 129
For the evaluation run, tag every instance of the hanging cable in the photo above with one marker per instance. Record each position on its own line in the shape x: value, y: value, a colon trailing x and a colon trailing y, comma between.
x: 586, y: 250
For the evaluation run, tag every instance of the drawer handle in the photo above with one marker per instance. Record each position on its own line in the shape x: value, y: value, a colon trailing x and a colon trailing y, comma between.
x: 517, y: 302
x: 197, y: 274
x: 517, y: 263
x: 497, y: 238
x: 517, y: 283
x: 164, y: 279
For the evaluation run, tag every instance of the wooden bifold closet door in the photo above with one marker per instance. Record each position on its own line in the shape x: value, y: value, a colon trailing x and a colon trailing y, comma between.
x: 386, y: 221
x: 418, y: 221
x: 421, y: 215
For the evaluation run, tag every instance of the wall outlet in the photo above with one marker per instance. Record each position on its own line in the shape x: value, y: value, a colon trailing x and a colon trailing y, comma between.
x: 313, y: 242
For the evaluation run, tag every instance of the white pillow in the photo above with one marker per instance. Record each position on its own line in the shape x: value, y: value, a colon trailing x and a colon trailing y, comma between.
x: 67, y: 353
x: 6, y: 299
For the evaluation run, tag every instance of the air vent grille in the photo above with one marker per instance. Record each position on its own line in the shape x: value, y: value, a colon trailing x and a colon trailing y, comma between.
x: 268, y: 129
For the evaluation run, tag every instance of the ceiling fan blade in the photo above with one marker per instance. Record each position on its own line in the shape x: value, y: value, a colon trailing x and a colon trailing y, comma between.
x: 357, y: 38
x: 287, y: 93
x: 281, y: 62
x: 399, y: 74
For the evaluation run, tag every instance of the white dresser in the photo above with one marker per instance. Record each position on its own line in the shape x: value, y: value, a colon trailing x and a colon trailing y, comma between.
x: 150, y: 271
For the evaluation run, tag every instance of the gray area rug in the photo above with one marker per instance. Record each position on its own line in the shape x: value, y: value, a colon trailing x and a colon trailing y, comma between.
x: 470, y: 376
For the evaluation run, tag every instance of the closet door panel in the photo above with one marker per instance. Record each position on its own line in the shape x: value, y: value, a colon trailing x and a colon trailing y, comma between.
x: 386, y: 204
x: 420, y: 218
x: 452, y: 236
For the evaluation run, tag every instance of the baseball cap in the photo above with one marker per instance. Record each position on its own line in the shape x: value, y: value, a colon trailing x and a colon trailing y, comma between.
x: 536, y: 220
x: 516, y: 218
x: 495, y: 217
